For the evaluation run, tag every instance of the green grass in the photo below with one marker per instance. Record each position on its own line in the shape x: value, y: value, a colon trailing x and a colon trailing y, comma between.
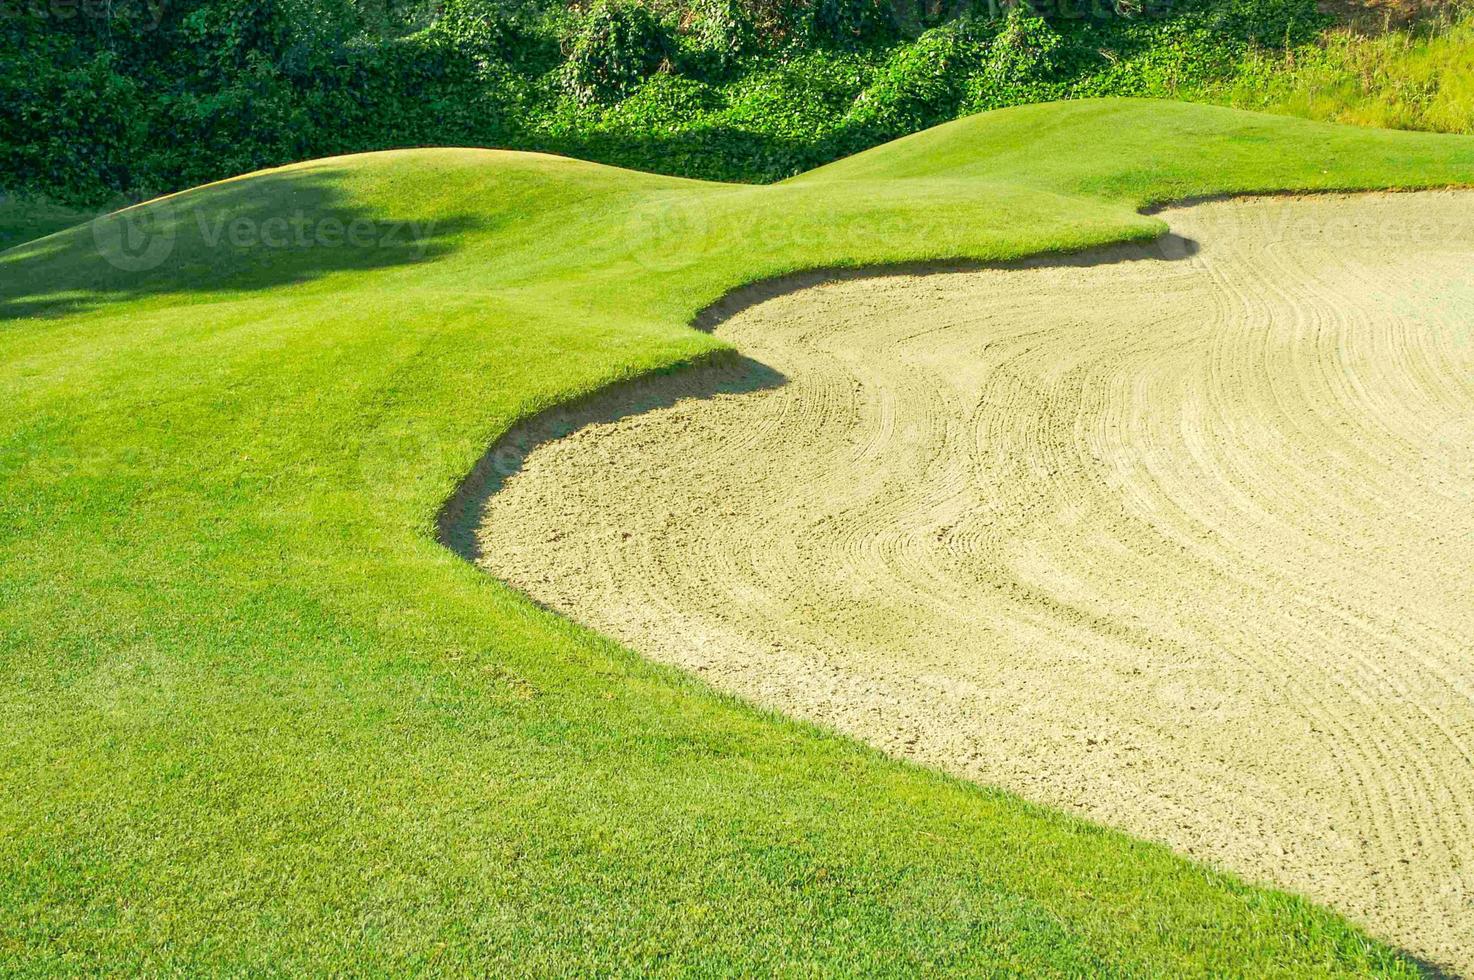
x: 25, y: 218
x: 1420, y: 77
x: 256, y: 719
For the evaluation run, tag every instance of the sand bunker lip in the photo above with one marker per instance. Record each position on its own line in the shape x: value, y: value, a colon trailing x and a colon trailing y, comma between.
x: 458, y: 523
x: 1182, y: 546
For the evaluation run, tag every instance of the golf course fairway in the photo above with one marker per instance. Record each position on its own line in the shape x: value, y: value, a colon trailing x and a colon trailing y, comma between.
x: 257, y: 718
x: 1170, y: 539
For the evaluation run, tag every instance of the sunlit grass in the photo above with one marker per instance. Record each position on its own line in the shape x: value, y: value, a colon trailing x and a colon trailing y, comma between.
x: 1418, y: 77
x: 254, y: 719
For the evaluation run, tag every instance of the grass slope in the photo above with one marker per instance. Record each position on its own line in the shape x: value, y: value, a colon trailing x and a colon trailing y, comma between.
x: 256, y: 719
x: 23, y: 218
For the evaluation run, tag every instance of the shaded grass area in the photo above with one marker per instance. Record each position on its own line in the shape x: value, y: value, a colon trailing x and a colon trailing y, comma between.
x: 25, y: 218
x: 256, y: 719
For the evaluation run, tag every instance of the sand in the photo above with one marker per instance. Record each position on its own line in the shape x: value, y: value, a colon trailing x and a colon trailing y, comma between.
x: 1178, y: 539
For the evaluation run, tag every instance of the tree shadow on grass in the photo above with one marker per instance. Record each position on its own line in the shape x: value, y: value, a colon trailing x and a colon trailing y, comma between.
x: 722, y: 372
x: 263, y: 232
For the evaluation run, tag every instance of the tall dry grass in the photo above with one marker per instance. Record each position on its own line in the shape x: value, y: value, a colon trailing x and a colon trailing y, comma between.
x: 1419, y: 76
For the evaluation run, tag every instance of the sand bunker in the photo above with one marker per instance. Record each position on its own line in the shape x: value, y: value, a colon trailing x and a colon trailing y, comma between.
x: 1180, y: 540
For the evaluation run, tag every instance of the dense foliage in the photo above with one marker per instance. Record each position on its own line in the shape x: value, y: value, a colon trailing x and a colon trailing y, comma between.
x: 1420, y: 77
x: 616, y: 48
x: 141, y: 96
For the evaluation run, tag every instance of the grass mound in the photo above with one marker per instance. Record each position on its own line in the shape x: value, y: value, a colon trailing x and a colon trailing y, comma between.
x: 257, y: 719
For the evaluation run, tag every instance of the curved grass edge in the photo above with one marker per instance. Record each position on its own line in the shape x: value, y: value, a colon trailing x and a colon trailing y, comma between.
x: 343, y: 491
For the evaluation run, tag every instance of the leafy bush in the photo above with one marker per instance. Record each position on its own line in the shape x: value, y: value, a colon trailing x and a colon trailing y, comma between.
x: 1267, y: 23
x: 923, y: 83
x: 73, y: 126
x: 1023, y: 51
x: 847, y: 22
x: 802, y: 99
x: 496, y: 33
x: 1021, y: 63
x: 720, y: 33
x: 157, y: 97
x: 617, y: 46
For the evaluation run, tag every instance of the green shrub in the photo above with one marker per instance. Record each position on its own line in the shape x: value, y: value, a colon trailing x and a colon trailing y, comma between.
x: 801, y: 100
x: 480, y: 28
x: 923, y: 83
x: 73, y: 126
x: 616, y: 46
x: 1268, y: 23
x: 1179, y: 59
x: 158, y: 97
x: 1021, y: 63
x: 720, y: 33
x: 1024, y: 51
x: 849, y: 22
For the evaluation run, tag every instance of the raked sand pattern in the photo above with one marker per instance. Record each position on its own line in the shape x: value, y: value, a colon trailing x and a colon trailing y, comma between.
x: 1179, y: 539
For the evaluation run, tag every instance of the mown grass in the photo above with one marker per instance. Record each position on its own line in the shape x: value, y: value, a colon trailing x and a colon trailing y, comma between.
x: 256, y: 719
x: 1417, y: 77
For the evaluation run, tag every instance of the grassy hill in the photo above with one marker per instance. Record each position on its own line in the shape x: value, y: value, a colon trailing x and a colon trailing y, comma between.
x: 257, y: 719
x: 22, y: 219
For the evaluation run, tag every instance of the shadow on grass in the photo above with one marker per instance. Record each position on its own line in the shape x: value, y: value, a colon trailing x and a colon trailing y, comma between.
x: 260, y: 233
x: 23, y: 219
x: 722, y: 372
